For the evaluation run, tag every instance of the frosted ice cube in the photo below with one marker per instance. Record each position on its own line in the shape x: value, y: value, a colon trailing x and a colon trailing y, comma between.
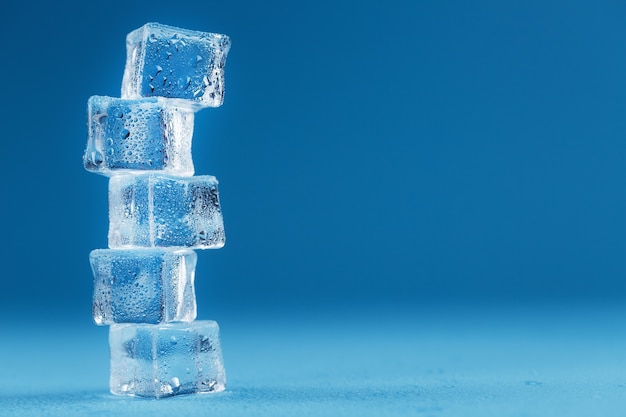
x: 163, y: 211
x: 143, y: 134
x: 164, y: 360
x: 176, y: 63
x: 143, y: 285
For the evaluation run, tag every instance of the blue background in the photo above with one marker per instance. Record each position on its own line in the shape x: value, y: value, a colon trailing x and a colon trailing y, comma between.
x: 396, y: 159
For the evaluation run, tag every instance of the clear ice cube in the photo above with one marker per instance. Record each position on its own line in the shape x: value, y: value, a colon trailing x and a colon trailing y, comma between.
x: 143, y: 285
x: 163, y: 360
x: 176, y: 63
x: 138, y: 135
x: 164, y: 211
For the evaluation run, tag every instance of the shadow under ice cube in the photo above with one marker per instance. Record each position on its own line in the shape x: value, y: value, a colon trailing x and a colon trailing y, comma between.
x: 165, y: 211
x: 176, y: 63
x: 138, y: 135
x: 143, y: 286
x: 163, y: 360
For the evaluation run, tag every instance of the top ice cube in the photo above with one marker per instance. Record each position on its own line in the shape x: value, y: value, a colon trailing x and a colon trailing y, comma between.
x: 176, y: 63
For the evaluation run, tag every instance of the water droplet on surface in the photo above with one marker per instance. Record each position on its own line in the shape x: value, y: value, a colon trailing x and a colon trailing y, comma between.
x: 125, y: 133
x: 158, y: 69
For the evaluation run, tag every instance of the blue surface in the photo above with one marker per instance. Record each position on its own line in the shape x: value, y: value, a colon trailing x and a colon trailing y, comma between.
x: 435, y: 363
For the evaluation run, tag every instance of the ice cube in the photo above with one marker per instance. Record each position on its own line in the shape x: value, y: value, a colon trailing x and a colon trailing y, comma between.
x: 143, y: 285
x: 138, y: 135
x: 163, y: 360
x: 176, y: 63
x: 164, y: 211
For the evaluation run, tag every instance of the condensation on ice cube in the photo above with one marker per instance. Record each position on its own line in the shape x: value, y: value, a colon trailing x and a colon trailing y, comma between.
x: 176, y: 63
x: 149, y: 134
x: 143, y: 285
x: 164, y: 360
x: 165, y: 211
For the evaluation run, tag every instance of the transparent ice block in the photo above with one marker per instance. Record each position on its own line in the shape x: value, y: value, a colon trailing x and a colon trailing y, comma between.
x: 176, y: 63
x: 143, y: 285
x: 165, y: 211
x: 163, y: 360
x: 138, y: 135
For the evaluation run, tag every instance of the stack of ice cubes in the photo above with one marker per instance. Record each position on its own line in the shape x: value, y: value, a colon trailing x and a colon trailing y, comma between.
x: 159, y: 212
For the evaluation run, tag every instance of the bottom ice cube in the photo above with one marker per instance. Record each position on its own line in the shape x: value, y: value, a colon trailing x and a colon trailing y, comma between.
x: 163, y: 360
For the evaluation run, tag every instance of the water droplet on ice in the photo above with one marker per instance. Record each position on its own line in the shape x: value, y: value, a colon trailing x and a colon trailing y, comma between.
x: 96, y: 158
x: 100, y: 117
